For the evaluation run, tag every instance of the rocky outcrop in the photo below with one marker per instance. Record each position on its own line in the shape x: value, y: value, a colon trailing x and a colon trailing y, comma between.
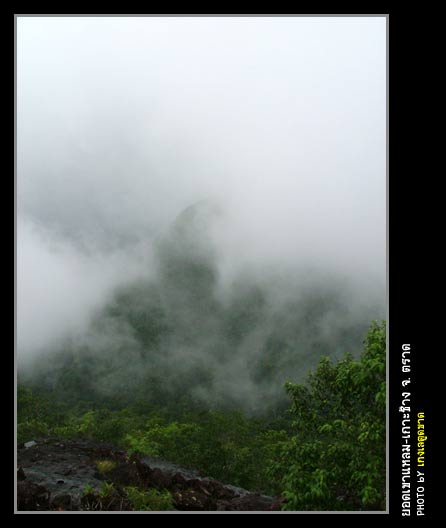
x: 64, y: 476
x: 32, y: 497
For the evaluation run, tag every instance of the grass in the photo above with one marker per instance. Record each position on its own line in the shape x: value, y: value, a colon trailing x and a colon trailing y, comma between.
x: 149, y: 500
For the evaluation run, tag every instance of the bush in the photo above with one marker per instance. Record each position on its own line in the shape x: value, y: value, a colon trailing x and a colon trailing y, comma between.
x: 336, y: 457
x: 31, y: 429
x: 149, y: 500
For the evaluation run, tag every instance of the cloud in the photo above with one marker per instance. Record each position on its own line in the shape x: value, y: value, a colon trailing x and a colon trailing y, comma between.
x: 125, y: 122
x: 59, y: 289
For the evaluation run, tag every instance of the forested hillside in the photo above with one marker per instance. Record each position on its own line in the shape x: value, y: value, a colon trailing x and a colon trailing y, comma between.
x: 183, y: 332
x: 172, y: 368
x: 326, y: 452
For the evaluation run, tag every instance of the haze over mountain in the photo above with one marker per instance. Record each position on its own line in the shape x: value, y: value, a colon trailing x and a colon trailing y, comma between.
x: 191, y: 328
x: 201, y: 201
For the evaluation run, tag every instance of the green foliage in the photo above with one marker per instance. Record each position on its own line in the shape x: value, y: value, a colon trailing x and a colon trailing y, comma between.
x: 32, y: 428
x: 328, y: 453
x: 160, y: 439
x: 335, y: 459
x: 149, y: 500
x: 227, y: 446
x: 106, y: 490
x: 36, y: 417
x: 105, y: 466
x: 87, y: 490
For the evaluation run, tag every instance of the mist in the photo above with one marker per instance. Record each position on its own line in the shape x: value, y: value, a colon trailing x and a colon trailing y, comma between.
x: 200, y: 167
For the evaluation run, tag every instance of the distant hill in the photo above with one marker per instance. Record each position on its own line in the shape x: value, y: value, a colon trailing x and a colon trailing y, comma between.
x: 171, y: 335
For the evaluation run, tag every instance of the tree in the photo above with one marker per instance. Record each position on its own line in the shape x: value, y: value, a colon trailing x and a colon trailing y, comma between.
x: 335, y: 459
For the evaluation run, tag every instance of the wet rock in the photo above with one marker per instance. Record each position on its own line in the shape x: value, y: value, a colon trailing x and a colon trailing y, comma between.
x: 62, y: 501
x: 76, y: 463
x: 157, y: 478
x: 278, y: 504
x: 250, y: 502
x: 32, y: 497
x: 125, y: 475
x: 191, y: 500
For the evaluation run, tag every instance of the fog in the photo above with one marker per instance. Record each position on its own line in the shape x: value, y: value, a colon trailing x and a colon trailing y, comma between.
x: 123, y: 123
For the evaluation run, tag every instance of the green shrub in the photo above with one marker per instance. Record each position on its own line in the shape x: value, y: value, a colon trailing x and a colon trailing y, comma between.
x: 149, y: 500
x: 106, y: 490
x: 31, y: 429
x: 336, y: 457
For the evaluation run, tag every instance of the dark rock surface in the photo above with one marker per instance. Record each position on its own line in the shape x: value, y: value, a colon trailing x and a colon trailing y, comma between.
x: 64, y: 477
x: 32, y: 497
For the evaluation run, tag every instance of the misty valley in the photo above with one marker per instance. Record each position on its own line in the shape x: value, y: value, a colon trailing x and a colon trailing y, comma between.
x: 201, y: 219
x: 192, y: 389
